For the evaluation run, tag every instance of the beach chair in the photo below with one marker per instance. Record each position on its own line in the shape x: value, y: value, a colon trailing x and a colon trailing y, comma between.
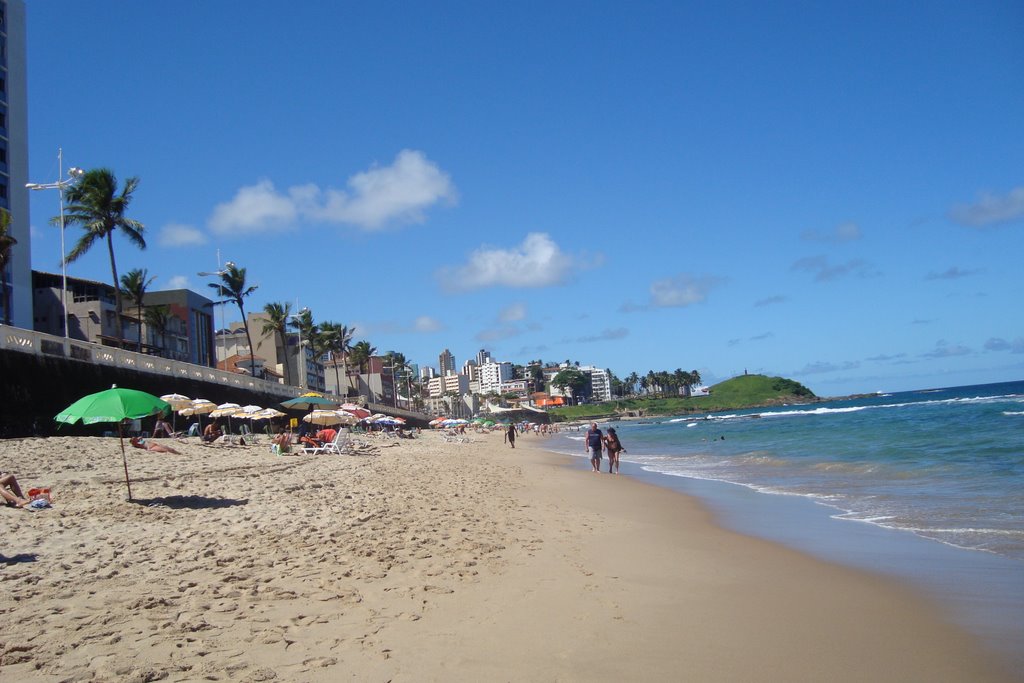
x: 329, y: 447
x: 250, y: 436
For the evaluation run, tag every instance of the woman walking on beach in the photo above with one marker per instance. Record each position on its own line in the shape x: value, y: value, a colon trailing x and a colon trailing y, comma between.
x: 614, y: 447
x: 510, y: 435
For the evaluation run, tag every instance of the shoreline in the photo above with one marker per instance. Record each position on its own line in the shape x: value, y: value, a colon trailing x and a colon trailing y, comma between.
x: 429, y: 561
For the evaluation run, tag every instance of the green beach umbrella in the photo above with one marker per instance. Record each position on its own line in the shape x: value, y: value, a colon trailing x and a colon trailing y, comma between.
x: 113, y: 405
x: 309, y: 403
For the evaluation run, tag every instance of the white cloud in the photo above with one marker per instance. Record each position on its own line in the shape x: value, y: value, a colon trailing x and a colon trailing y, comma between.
x: 768, y: 301
x: 255, y: 208
x: 374, y: 199
x: 990, y: 209
x: 1000, y: 344
x: 498, y: 333
x: 178, y: 235
x: 682, y: 290
x: 178, y: 282
x: 944, y: 349
x: 610, y: 334
x: 953, y: 273
x: 425, y: 323
x: 537, y: 262
x: 824, y: 271
x: 420, y: 325
x: 398, y: 193
x: 844, y: 232
x: 512, y: 313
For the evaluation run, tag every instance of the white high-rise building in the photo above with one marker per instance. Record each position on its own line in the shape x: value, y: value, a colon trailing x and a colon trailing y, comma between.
x: 14, y: 158
x: 492, y: 375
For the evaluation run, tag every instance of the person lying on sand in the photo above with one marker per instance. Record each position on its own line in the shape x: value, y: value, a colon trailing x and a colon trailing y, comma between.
x: 13, y: 497
x: 146, y: 445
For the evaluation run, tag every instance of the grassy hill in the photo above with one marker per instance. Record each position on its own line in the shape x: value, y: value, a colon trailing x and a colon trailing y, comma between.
x: 745, y: 391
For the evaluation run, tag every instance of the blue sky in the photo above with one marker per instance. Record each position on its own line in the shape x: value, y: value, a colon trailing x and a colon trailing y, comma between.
x: 829, y: 192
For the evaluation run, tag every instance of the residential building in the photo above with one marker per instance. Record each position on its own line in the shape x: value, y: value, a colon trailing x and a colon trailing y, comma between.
x: 189, y: 333
x: 448, y: 384
x: 446, y: 362
x: 426, y: 372
x: 470, y: 369
x: 14, y: 161
x: 233, y: 341
x: 600, y: 383
x: 519, y: 387
x: 492, y: 375
x: 92, y: 311
x: 186, y: 334
x: 483, y: 356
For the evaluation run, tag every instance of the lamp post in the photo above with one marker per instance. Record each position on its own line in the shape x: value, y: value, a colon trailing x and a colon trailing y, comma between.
x: 300, y: 358
x: 220, y: 272
x: 74, y: 174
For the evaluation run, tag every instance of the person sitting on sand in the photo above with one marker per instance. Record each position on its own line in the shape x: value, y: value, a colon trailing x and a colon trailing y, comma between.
x: 147, y: 445
x: 326, y: 435
x: 14, y: 497
x: 212, y: 432
x: 283, y: 441
x: 162, y: 427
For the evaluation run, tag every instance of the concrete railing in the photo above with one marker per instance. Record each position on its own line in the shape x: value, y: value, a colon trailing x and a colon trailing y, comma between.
x: 41, y: 344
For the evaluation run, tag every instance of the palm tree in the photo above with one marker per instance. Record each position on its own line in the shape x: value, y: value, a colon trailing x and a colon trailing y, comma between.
x: 277, y: 323
x: 336, y: 339
x: 94, y: 203
x: 307, y: 329
x: 232, y: 288
x: 399, y: 364
x: 134, y: 284
x: 361, y: 354
x: 6, y: 242
x: 157, y: 318
x: 631, y: 382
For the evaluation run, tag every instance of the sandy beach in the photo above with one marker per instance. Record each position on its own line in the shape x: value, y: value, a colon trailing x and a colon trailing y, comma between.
x: 424, y: 561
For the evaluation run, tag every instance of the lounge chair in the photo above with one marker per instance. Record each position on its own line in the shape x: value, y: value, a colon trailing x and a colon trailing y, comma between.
x: 329, y: 447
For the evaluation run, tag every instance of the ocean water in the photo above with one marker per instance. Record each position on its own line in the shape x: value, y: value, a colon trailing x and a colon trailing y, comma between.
x: 944, y: 464
x: 926, y: 485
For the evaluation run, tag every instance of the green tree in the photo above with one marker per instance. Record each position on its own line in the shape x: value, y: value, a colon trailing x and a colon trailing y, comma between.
x: 134, y: 284
x: 632, y: 382
x: 572, y: 379
x: 232, y: 288
x: 277, y: 323
x: 157, y: 319
x: 336, y: 339
x: 6, y: 242
x: 95, y: 204
x: 361, y: 353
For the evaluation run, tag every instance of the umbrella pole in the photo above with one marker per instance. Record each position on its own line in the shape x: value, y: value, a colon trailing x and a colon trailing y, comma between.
x: 124, y: 459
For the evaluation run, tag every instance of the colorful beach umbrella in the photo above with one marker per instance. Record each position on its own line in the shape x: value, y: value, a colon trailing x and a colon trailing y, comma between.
x: 308, y: 403
x: 113, y: 405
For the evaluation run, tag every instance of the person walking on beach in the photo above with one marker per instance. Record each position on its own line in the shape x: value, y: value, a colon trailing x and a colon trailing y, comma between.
x: 614, y: 447
x: 593, y: 444
x: 510, y: 435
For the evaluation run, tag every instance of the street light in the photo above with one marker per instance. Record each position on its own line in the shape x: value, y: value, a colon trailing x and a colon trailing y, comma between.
x: 220, y: 272
x: 74, y: 174
x: 300, y: 356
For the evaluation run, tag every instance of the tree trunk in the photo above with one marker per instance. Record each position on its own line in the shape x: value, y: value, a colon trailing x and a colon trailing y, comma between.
x: 6, y: 295
x: 117, y: 291
x: 245, y: 323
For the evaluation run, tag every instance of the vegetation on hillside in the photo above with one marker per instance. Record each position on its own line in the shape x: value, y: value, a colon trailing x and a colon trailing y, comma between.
x: 745, y: 391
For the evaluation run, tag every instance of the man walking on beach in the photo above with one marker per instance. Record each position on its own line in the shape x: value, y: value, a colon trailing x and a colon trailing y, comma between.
x: 593, y: 444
